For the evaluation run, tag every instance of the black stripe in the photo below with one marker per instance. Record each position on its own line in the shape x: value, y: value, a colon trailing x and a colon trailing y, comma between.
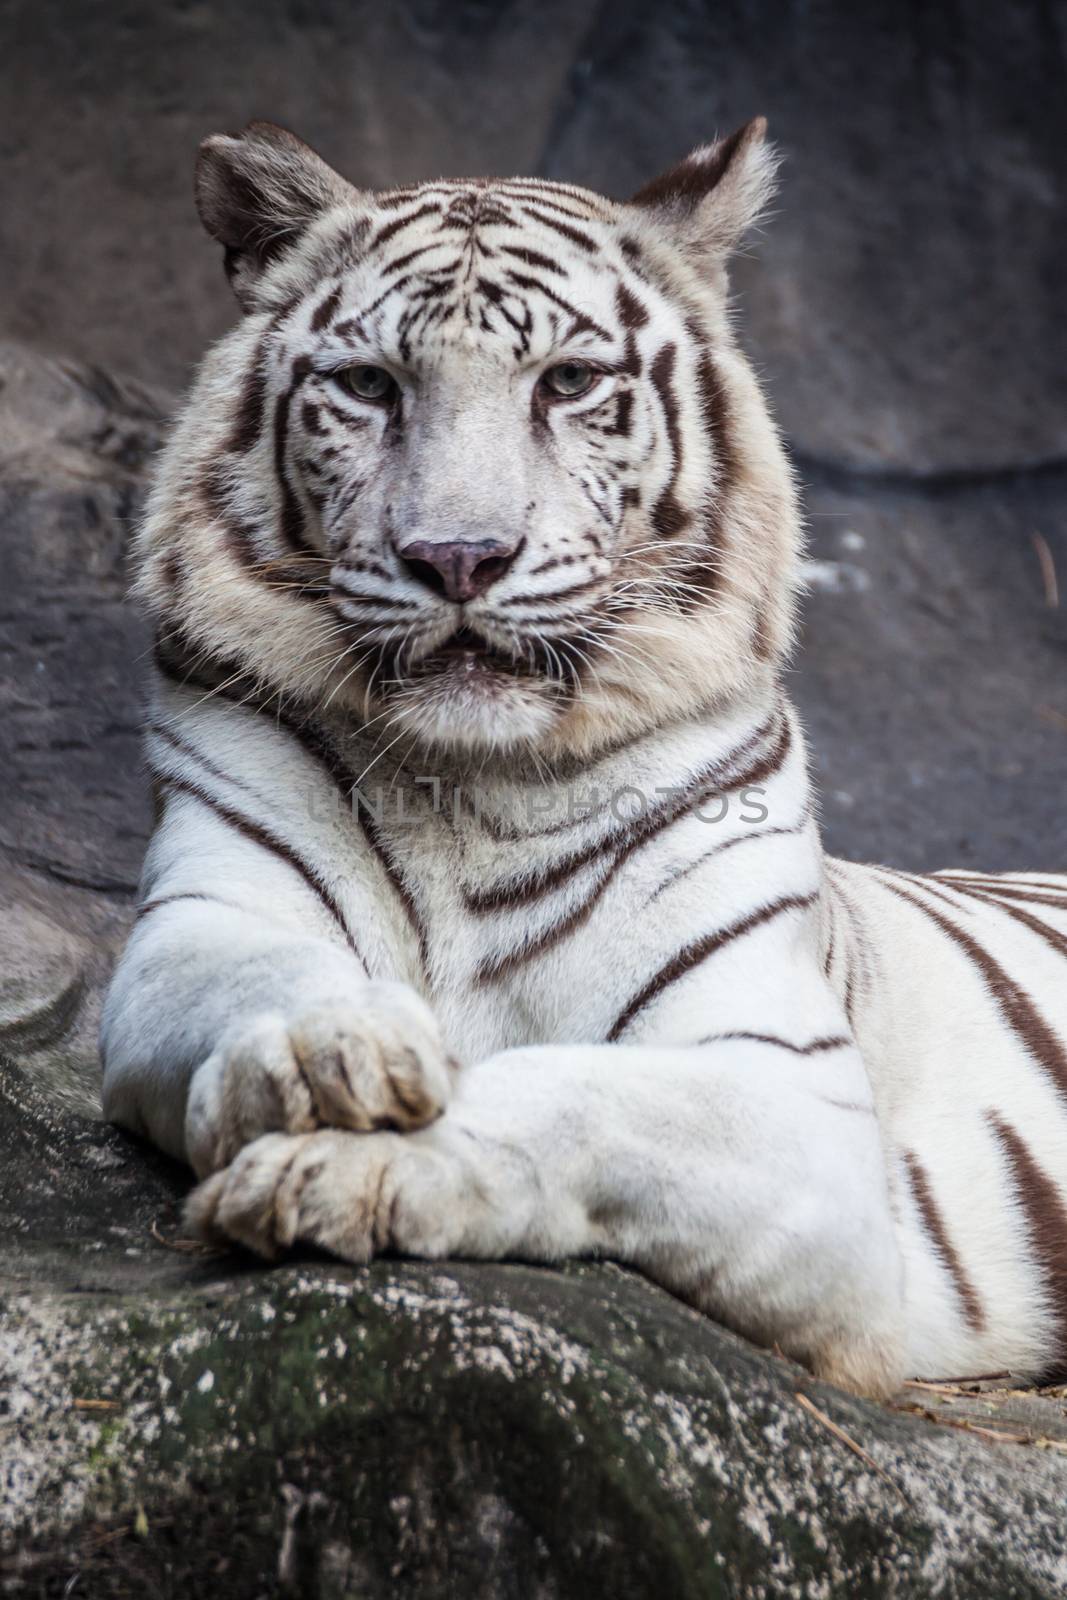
x: 544, y: 195
x: 292, y: 517
x: 578, y: 236
x: 816, y: 1047
x: 1046, y: 1218
x: 1014, y: 1004
x: 532, y: 258
x: 383, y: 600
x: 251, y: 407
x: 720, y: 849
x: 495, y: 968
x: 267, y: 841
x: 551, y: 595
x: 845, y: 1105
x: 498, y: 298
x: 248, y: 417
x: 164, y: 900
x: 668, y: 514
x: 190, y: 753
x: 1051, y: 936
x: 401, y: 262
x: 934, y: 1223
x: 633, y: 253
x: 708, y: 781
x: 320, y: 749
x: 696, y: 953
x: 860, y: 949
x: 920, y: 881
x: 632, y: 313
x: 238, y: 537
x: 390, y: 228
x: 703, y: 571
x: 1000, y: 880
x: 1023, y: 896
x: 325, y: 310
x: 178, y: 660
x: 716, y: 412
x: 383, y: 856
x: 580, y: 322
x: 393, y: 199
x: 347, y: 419
x: 624, y: 409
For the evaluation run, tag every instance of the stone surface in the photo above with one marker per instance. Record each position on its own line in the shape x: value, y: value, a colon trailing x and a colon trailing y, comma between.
x: 906, y: 303
x: 74, y: 446
x: 933, y: 669
x: 174, y: 1423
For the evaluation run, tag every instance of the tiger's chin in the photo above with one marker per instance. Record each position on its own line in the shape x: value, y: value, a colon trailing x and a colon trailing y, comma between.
x: 467, y: 693
x: 475, y: 706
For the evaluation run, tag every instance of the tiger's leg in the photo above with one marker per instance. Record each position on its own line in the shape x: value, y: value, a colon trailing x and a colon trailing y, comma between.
x: 219, y: 1029
x: 748, y: 1182
x: 238, y: 1008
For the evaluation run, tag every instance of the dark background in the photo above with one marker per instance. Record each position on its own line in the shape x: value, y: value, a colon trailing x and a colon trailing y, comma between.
x: 905, y: 305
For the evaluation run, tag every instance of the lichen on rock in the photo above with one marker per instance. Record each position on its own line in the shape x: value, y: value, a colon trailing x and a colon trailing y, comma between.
x: 181, y: 1422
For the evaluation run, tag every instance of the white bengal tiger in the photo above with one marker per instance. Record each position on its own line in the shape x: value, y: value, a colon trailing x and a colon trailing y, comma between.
x: 486, y: 914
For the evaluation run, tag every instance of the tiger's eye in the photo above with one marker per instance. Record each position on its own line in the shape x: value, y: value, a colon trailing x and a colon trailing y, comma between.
x: 367, y: 383
x: 569, y: 379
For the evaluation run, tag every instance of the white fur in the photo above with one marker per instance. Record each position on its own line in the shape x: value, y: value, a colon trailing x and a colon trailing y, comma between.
x: 423, y: 1029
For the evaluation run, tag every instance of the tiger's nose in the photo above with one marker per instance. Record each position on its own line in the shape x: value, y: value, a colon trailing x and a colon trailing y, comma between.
x: 459, y: 569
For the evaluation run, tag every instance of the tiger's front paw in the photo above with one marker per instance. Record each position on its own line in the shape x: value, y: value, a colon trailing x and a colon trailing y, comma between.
x: 377, y: 1062
x: 354, y: 1195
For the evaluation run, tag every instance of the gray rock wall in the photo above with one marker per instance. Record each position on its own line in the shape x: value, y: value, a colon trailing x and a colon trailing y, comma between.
x: 907, y: 306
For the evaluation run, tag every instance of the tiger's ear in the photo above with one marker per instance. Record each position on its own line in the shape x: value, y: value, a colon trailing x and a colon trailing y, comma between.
x: 256, y: 192
x: 708, y: 200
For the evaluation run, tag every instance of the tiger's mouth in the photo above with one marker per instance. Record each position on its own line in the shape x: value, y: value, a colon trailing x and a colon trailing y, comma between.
x: 476, y: 691
x: 468, y: 656
x: 470, y: 660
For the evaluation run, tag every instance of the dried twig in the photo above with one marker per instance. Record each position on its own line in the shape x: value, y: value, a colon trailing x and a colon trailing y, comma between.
x: 98, y: 1541
x: 185, y: 1247
x: 846, y: 1439
x: 1048, y: 569
x: 970, y: 1377
x: 952, y: 1388
x: 96, y: 1405
x: 997, y: 1435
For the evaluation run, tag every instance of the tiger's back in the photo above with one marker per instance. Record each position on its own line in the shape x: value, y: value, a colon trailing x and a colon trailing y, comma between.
x: 957, y: 985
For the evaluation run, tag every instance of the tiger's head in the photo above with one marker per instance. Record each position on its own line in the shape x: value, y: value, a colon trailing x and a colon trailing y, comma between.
x: 482, y: 466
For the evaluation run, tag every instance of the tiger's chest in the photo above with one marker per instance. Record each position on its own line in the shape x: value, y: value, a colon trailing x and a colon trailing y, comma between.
x: 509, y: 941
x: 543, y: 935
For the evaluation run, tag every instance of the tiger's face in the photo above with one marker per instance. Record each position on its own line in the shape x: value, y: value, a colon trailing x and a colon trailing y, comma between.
x: 485, y: 424
x: 493, y: 439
